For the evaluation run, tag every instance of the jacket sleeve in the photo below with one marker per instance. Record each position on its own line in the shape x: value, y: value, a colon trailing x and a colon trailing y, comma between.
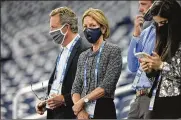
x: 78, y: 82
x: 134, y: 47
x: 68, y: 99
x: 113, y: 72
x: 173, y: 70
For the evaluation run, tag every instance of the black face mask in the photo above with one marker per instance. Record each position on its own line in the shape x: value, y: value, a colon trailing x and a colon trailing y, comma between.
x: 92, y: 35
x: 163, y: 30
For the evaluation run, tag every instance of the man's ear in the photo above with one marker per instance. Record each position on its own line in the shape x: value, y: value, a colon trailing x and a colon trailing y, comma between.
x: 67, y: 26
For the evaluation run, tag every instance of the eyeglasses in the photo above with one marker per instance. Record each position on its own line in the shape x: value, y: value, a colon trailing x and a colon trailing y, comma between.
x: 43, y: 97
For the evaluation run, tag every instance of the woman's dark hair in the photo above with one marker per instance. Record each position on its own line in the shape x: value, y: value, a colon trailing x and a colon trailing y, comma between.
x: 168, y: 37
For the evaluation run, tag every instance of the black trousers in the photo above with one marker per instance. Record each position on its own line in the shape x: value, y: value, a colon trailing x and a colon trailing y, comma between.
x: 167, y: 108
x: 63, y: 112
x: 139, y: 108
x: 105, y: 109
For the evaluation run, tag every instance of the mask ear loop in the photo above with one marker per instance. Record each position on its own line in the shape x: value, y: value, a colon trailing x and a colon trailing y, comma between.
x: 59, y: 29
x: 64, y: 34
x: 62, y: 28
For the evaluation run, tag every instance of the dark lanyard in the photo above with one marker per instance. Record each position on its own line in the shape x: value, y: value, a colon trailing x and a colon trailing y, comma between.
x: 152, y: 100
x: 95, y: 71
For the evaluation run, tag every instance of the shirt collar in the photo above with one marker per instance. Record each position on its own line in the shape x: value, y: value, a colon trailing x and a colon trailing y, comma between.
x: 70, y: 44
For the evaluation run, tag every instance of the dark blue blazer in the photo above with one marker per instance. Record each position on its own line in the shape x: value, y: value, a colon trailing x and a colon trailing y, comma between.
x: 65, y: 112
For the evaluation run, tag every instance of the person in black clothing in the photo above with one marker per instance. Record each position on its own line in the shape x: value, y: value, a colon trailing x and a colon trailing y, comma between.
x: 164, y: 66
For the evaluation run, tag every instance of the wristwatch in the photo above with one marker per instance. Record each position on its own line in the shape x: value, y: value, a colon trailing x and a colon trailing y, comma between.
x: 86, y: 100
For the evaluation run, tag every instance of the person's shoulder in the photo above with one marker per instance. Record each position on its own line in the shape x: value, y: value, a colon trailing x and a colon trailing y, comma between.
x: 149, y: 27
x: 84, y: 53
x: 113, y: 51
x: 113, y: 47
x: 84, y: 44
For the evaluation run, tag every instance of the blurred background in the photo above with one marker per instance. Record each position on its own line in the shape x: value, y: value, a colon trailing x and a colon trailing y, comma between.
x: 28, y: 53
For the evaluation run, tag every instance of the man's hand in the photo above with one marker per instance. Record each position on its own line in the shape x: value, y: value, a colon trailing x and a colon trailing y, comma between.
x: 137, y: 25
x: 83, y: 115
x: 78, y: 106
x: 55, y: 101
x: 40, y: 107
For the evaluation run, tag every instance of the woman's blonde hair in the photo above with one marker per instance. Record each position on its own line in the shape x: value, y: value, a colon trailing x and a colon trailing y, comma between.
x: 98, y: 16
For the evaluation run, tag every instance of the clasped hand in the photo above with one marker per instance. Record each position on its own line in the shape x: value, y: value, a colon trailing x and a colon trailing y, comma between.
x: 55, y: 101
x: 79, y: 111
x: 78, y: 106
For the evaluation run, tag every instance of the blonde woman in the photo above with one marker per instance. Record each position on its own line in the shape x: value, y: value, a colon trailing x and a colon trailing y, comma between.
x: 98, y: 70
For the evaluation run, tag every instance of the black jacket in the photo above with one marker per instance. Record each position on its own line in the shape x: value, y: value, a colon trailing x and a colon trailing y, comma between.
x: 65, y: 112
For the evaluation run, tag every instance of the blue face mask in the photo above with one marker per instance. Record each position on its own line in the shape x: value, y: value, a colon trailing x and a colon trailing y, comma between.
x: 92, y: 34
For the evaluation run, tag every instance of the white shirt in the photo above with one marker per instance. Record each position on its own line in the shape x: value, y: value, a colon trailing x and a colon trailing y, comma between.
x: 60, y: 66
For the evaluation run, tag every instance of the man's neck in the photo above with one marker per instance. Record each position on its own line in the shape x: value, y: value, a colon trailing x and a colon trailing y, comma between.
x: 147, y: 24
x: 69, y: 39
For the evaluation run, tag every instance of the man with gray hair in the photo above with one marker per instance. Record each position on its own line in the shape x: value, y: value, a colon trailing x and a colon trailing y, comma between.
x: 64, y: 31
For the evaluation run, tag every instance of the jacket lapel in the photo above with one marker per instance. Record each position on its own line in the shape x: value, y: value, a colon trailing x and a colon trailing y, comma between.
x: 72, y: 55
x: 68, y: 64
x: 51, y: 79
